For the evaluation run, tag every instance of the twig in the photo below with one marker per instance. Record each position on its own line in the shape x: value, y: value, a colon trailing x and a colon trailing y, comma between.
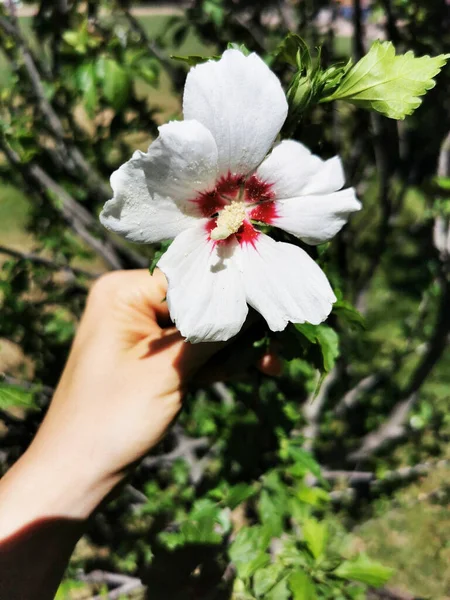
x: 50, y: 264
x: 124, y: 584
x: 74, y: 213
x: 151, y: 46
x: 389, y: 594
x: 223, y: 393
x: 350, y: 399
x: 72, y: 156
x: 185, y: 448
x: 395, y: 428
x: 313, y: 409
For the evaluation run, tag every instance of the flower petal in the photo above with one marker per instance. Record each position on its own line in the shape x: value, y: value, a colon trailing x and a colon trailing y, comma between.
x: 182, y: 161
x: 284, y: 284
x: 316, y: 219
x: 241, y: 102
x: 135, y: 214
x: 206, y: 295
x: 292, y: 170
x: 151, y: 191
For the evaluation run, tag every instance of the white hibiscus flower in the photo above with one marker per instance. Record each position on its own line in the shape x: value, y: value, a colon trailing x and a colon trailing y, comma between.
x: 206, y: 180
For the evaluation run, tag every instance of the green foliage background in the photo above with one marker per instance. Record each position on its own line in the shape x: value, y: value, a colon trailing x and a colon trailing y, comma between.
x: 266, y: 488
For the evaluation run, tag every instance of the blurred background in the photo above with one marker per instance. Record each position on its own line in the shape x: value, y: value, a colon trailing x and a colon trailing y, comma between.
x: 82, y: 85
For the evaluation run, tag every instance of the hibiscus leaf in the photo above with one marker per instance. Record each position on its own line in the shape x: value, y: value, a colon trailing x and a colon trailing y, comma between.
x: 15, y: 397
x: 294, y: 50
x: 241, y: 47
x: 388, y: 83
x: 86, y: 81
x: 315, y: 534
x: 163, y: 247
x: 365, y: 570
x: 115, y: 82
x: 325, y: 337
x: 349, y: 314
x: 302, y: 586
x: 193, y: 59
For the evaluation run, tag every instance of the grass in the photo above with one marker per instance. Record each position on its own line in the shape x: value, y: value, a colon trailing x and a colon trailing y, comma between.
x: 412, y: 535
x: 14, y: 209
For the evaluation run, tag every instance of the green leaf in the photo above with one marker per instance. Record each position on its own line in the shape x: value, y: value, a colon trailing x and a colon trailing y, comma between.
x: 279, y: 592
x: 265, y: 579
x: 389, y: 84
x: 365, y: 570
x: 115, y: 82
x: 12, y: 396
x: 345, y: 311
x: 303, y: 460
x: 443, y: 183
x: 294, y: 50
x: 163, y: 247
x: 271, y: 513
x: 193, y: 59
x: 237, y: 494
x: 68, y: 586
x: 241, y: 47
x: 248, y: 551
x: 326, y: 337
x: 315, y: 535
x: 86, y: 80
x: 302, y: 586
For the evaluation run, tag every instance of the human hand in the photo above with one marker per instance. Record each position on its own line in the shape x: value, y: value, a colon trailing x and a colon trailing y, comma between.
x: 121, y: 389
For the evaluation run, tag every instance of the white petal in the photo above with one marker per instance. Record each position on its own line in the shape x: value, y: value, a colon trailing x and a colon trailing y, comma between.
x: 135, y: 214
x: 292, y: 170
x: 182, y: 161
x: 206, y: 295
x: 316, y: 219
x: 151, y: 191
x: 241, y: 102
x: 284, y: 284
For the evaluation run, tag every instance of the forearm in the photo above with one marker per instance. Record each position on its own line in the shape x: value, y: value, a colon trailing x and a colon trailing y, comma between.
x: 45, y: 500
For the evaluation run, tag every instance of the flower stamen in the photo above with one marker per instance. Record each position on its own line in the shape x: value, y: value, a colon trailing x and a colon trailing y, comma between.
x: 229, y: 221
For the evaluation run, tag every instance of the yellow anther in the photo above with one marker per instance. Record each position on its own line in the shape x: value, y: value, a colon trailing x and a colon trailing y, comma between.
x: 229, y: 220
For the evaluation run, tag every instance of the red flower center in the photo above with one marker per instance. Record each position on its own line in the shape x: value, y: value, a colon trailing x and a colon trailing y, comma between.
x: 254, y: 192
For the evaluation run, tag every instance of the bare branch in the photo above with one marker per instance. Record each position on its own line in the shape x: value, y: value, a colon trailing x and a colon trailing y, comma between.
x: 50, y: 264
x: 351, y: 398
x: 395, y: 428
x: 389, y: 594
x: 314, y: 408
x: 185, y: 448
x: 223, y: 393
x: 123, y: 584
x: 74, y: 213
x: 152, y: 47
x: 73, y: 159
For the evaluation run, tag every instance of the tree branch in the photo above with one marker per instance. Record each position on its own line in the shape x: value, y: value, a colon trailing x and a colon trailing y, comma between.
x: 351, y: 398
x: 185, y: 448
x: 122, y: 584
x: 313, y: 409
x: 74, y: 213
x: 73, y: 159
x: 50, y: 264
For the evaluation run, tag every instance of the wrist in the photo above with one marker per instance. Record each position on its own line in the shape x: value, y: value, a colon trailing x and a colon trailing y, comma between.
x: 45, y: 484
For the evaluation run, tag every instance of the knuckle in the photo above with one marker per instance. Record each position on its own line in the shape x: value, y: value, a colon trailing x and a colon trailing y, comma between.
x: 105, y: 285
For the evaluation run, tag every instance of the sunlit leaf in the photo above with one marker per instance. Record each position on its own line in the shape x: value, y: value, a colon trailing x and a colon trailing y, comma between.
x: 365, y: 570
x: 388, y: 83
